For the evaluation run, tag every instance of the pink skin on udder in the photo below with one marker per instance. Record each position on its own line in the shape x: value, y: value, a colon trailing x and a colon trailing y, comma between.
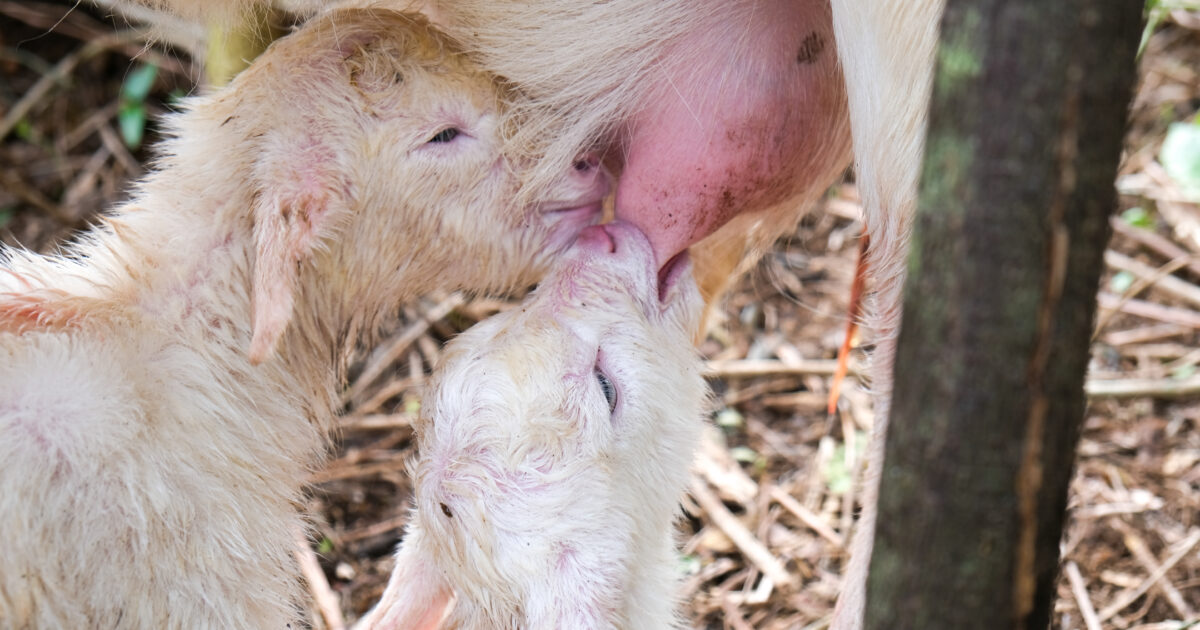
x: 735, y: 128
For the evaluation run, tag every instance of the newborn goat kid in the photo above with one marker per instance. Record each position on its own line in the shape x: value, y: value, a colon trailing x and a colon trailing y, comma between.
x: 165, y: 389
x: 554, y: 447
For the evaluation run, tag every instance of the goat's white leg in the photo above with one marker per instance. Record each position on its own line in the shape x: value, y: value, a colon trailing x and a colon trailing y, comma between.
x: 887, y: 52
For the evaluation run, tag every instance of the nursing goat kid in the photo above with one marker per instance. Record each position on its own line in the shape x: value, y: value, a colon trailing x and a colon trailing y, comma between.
x: 724, y: 119
x: 167, y: 385
x: 555, y: 444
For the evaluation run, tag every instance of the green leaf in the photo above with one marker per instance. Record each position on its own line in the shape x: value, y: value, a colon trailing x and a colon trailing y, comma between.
x: 729, y: 419
x: 24, y: 129
x: 325, y: 546
x: 1121, y: 281
x: 6, y: 215
x: 744, y: 454
x: 1137, y: 216
x: 131, y: 120
x: 1154, y: 17
x: 839, y: 476
x: 1155, y: 12
x: 138, y: 83
x: 131, y: 117
x: 747, y: 455
x: 1183, y: 371
x: 1180, y: 156
x: 690, y: 564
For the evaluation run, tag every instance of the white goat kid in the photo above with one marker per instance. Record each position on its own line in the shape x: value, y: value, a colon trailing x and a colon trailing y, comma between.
x: 554, y: 445
x: 167, y: 386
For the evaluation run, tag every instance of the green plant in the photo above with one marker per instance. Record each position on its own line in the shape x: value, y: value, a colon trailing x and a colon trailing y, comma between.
x: 1156, y: 11
x: 131, y: 116
x: 1137, y: 216
x: 1180, y: 157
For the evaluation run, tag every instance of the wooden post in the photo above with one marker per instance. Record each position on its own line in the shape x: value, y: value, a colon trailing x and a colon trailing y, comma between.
x: 1028, y: 113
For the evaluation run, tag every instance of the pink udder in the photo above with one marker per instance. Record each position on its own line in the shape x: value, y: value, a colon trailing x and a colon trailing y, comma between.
x: 742, y: 115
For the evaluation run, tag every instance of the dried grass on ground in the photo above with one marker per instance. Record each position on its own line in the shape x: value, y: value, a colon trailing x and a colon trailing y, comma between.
x: 774, y: 479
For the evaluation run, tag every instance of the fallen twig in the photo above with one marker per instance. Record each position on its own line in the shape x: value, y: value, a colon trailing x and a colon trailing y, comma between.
x: 740, y: 368
x: 325, y: 598
x: 1143, y: 387
x: 15, y: 185
x: 376, y: 422
x: 1150, y: 310
x: 1128, y: 597
x: 360, y: 471
x: 1159, y: 278
x: 1118, y: 507
x: 1173, y: 206
x: 385, y: 526
x: 1159, y: 244
x: 754, y: 550
x: 733, y: 616
x: 85, y: 180
x: 110, y: 139
x: 717, y: 465
x: 1079, y: 590
x: 80, y: 26
x: 388, y: 391
x: 692, y: 584
x: 399, y: 344
x: 806, y: 516
x: 61, y: 71
x: 1144, y: 334
x: 1141, y: 553
x: 68, y: 141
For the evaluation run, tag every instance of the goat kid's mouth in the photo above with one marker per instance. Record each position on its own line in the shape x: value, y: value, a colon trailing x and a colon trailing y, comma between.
x: 618, y: 237
x: 565, y: 221
x: 570, y: 209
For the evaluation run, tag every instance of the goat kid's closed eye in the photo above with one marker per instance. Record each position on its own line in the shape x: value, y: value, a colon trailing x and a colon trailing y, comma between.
x: 608, y: 389
x: 445, y: 136
x: 446, y: 141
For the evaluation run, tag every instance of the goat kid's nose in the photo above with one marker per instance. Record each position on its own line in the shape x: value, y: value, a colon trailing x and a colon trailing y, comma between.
x: 587, y: 163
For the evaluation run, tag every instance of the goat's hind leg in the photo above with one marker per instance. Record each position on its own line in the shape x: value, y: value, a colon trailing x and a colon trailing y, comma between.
x: 887, y: 51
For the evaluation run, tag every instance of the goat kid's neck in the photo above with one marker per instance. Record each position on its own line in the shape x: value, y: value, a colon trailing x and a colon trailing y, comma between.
x: 179, y: 258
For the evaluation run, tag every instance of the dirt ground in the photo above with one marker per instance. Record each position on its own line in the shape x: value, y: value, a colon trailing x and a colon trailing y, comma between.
x: 775, y: 472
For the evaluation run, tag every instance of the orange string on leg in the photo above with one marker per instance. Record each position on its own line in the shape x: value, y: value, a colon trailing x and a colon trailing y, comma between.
x: 855, y: 310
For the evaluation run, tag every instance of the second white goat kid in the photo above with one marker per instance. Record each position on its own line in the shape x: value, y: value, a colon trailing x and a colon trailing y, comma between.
x: 555, y: 444
x: 166, y: 387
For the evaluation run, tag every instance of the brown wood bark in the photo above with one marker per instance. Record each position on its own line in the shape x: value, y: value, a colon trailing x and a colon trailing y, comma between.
x: 1026, y: 123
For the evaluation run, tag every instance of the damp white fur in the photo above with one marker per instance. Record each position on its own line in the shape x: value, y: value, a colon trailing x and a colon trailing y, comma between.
x: 555, y: 443
x: 167, y: 383
x: 590, y: 72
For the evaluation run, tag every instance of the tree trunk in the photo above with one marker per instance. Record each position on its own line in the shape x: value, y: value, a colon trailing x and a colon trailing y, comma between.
x: 1026, y: 122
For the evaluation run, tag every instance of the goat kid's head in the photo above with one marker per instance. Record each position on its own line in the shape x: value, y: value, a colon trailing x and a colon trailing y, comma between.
x: 378, y: 172
x: 554, y: 446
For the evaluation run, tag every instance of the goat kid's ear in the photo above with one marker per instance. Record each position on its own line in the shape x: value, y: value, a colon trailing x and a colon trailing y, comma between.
x: 302, y: 197
x: 417, y: 596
